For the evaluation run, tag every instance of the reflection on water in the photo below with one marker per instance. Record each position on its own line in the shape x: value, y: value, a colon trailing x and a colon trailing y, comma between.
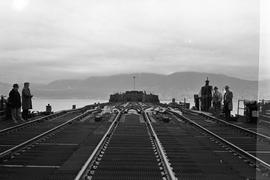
x: 61, y: 104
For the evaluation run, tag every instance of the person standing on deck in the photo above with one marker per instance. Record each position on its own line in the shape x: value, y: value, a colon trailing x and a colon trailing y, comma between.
x: 15, y: 104
x: 26, y: 100
x: 206, y: 96
x: 217, y: 99
x: 228, y: 105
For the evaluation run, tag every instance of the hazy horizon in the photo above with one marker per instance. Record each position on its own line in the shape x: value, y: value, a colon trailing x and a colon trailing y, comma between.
x: 131, y: 75
x: 177, y: 84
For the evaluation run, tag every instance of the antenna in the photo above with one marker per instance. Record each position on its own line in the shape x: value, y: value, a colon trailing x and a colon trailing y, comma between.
x: 207, y: 80
x: 134, y: 77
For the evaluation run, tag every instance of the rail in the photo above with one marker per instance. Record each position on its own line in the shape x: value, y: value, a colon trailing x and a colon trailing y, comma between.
x: 17, y: 147
x: 51, y: 116
x: 83, y: 171
x: 33, y: 121
x: 243, y: 152
x: 170, y: 173
x: 235, y: 126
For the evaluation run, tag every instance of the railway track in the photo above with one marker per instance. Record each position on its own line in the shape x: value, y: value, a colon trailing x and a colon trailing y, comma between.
x: 15, y: 137
x: 132, y: 144
x: 252, y: 132
x: 36, y: 151
x: 45, y: 118
x: 252, y: 147
x: 130, y: 149
x: 31, y: 122
x: 38, y: 120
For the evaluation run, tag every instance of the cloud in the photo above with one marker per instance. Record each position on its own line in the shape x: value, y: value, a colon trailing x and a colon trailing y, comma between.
x: 264, y: 40
x: 67, y: 38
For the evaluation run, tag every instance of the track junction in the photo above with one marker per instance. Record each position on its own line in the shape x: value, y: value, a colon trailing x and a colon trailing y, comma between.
x: 132, y: 141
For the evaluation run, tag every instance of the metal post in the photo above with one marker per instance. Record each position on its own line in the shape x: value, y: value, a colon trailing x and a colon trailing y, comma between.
x: 238, y: 107
x: 262, y: 107
x: 134, y: 77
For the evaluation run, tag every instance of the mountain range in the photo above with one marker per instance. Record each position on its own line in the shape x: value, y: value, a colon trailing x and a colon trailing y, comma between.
x: 178, y: 85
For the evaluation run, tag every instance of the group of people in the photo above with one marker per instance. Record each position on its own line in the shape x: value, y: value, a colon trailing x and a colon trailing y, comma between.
x: 16, y: 102
x: 208, y: 99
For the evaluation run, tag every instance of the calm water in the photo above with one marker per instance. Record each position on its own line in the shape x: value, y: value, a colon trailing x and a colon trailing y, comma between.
x: 61, y: 104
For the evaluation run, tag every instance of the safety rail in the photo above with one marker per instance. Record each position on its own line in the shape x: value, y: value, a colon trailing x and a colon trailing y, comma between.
x: 36, y: 138
x: 236, y: 148
x: 169, y: 172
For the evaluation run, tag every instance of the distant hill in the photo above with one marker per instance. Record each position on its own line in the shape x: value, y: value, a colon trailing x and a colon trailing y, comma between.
x: 177, y: 85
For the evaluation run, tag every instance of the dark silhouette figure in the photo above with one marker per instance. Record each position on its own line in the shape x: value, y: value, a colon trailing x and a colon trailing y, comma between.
x: 15, y: 103
x: 228, y: 105
x: 217, y: 100
x: 26, y: 100
x: 206, y: 96
x: 197, y: 101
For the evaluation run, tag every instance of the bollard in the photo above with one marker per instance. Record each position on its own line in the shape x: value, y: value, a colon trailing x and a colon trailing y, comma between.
x: 73, y: 106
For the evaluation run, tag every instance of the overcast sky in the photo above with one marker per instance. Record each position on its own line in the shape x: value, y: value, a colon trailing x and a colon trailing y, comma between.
x: 44, y: 40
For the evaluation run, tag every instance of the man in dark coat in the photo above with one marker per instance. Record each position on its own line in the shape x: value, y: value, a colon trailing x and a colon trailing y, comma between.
x: 217, y: 100
x: 206, y: 96
x: 228, y: 104
x: 15, y: 104
x: 26, y: 100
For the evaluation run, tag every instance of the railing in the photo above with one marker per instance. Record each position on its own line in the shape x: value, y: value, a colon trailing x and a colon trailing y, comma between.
x: 263, y: 106
x: 240, y: 107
